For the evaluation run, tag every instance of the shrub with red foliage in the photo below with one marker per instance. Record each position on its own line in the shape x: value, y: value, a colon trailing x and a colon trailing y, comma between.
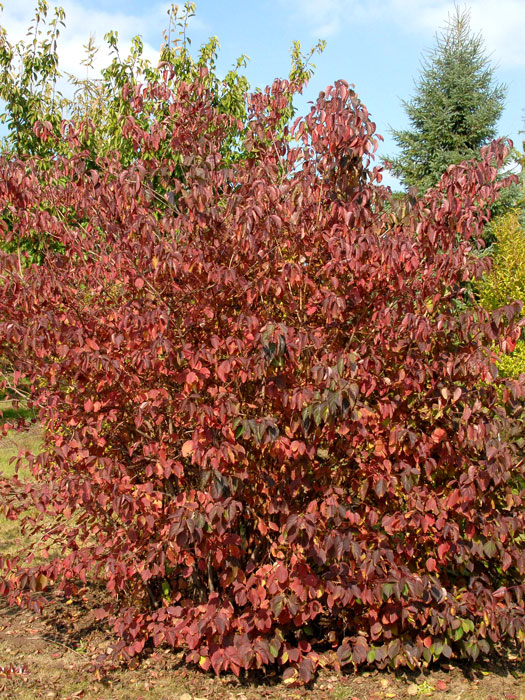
x: 273, y: 429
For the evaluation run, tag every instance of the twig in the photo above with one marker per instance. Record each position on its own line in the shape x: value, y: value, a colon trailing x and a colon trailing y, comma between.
x: 54, y: 641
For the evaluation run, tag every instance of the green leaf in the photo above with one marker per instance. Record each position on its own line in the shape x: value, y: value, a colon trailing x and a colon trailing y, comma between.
x: 387, y: 590
x: 467, y: 625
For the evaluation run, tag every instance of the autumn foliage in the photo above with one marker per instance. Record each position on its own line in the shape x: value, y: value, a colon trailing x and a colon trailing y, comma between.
x: 270, y: 430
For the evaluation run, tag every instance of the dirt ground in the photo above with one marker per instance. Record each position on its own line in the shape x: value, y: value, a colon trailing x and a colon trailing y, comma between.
x: 50, y: 657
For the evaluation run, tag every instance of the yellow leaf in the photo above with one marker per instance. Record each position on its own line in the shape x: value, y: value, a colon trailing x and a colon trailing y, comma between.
x: 41, y: 582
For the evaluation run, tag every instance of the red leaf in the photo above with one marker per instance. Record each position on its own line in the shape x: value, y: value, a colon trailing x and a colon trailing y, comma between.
x: 344, y: 654
x: 380, y: 487
x: 442, y: 549
x: 223, y: 370
x: 306, y: 670
x: 282, y: 574
x: 431, y: 564
x: 138, y: 645
x: 191, y: 378
x: 438, y: 435
x: 187, y: 448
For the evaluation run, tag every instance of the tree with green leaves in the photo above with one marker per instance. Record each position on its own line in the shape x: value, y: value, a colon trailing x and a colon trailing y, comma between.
x: 36, y: 100
x: 31, y: 81
x: 28, y: 81
x: 455, y: 109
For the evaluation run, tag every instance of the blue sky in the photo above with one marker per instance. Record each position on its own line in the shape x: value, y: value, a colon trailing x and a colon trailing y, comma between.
x: 375, y: 44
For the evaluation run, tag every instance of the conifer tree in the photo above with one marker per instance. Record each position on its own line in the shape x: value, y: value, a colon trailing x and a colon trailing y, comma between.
x: 455, y: 109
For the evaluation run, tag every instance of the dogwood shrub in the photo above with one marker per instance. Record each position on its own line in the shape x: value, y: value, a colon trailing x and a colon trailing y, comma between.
x: 269, y: 429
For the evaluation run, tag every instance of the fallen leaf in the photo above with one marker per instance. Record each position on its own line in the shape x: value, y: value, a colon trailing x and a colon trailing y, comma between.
x: 412, y: 689
x: 441, y: 685
x: 185, y: 696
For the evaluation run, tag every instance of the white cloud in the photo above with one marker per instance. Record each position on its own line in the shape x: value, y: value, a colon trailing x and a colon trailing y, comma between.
x: 328, y: 17
x: 502, y: 23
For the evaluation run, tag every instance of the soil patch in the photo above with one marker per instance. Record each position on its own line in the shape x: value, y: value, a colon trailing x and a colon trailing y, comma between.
x: 50, y: 656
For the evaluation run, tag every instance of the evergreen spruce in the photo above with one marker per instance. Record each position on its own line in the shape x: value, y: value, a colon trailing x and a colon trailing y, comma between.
x: 455, y: 109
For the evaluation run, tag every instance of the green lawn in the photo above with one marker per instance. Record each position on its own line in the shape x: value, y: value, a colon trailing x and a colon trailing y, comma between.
x: 9, y: 413
x: 10, y: 446
x: 10, y: 537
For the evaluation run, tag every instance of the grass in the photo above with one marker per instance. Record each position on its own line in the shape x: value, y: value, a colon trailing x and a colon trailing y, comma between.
x: 10, y: 413
x: 13, y: 443
x: 11, y: 539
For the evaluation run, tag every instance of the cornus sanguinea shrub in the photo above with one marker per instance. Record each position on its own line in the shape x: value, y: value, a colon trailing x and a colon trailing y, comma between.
x: 270, y: 430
